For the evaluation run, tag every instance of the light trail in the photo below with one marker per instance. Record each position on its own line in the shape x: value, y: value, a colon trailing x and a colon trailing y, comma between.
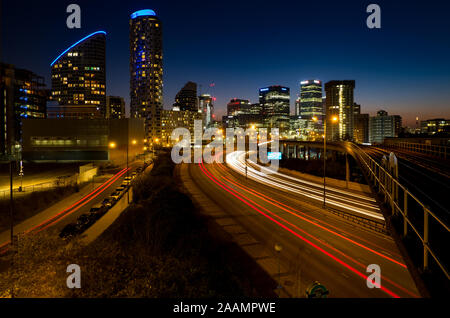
x: 229, y: 190
x: 238, y: 165
x: 87, y: 198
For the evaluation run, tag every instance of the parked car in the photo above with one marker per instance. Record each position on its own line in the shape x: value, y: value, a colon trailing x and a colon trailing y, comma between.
x: 115, y: 195
x: 69, y: 230
x: 120, y: 188
x: 96, y: 208
x: 107, y: 203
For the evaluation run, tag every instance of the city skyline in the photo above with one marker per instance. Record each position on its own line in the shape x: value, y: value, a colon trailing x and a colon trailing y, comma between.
x: 388, y: 76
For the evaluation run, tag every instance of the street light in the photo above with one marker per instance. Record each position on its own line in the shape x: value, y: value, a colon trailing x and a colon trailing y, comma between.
x: 278, y: 248
x: 333, y: 119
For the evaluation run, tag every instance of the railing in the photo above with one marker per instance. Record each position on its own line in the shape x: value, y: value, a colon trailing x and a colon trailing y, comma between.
x: 431, y: 150
x: 390, y: 189
x: 4, y: 194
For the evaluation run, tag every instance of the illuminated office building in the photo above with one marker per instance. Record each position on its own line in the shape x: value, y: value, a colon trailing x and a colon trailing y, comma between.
x: 238, y: 106
x: 311, y: 99
x: 79, y: 79
x: 172, y: 119
x: 206, y: 107
x: 115, y: 107
x: 275, y: 103
x: 22, y: 95
x: 146, y: 70
x: 339, y: 103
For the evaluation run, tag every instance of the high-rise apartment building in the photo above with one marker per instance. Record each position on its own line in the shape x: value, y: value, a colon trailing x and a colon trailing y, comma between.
x: 146, y: 70
x: 186, y: 98
x: 115, y: 107
x: 79, y: 79
x: 339, y: 103
x: 22, y: 95
x: 383, y: 125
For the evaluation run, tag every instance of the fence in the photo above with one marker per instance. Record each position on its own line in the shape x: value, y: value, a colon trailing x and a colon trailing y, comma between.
x: 431, y: 150
x: 60, y: 182
x: 392, y: 190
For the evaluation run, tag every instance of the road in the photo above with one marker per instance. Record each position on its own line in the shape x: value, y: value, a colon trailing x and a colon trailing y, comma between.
x: 62, y: 214
x: 323, y: 246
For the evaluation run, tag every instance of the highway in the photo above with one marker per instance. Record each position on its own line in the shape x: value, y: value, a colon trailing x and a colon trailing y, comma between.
x: 322, y: 246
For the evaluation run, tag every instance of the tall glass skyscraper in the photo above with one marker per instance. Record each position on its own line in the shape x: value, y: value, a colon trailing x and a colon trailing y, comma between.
x: 79, y: 79
x: 275, y: 103
x: 311, y: 99
x: 339, y: 102
x: 146, y: 70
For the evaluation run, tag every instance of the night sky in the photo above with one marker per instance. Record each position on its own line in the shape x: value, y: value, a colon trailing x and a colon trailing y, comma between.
x: 243, y: 45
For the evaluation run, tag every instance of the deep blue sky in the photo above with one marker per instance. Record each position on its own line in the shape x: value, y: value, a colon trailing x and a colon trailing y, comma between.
x: 243, y: 45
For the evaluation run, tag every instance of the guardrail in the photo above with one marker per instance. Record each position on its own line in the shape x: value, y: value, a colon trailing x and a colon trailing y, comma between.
x: 431, y: 150
x: 390, y: 188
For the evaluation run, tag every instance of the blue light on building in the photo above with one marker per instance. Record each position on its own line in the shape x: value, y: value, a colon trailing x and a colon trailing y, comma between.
x: 142, y: 13
x: 75, y: 44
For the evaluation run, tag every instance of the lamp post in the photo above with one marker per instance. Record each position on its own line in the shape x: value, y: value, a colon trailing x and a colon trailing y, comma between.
x: 278, y: 248
x: 333, y: 119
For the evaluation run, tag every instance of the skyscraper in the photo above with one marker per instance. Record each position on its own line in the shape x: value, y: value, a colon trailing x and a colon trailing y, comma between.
x: 79, y: 79
x: 275, y: 103
x: 383, y: 125
x: 115, y: 107
x: 238, y: 106
x: 206, y: 107
x: 146, y: 70
x: 339, y: 102
x: 311, y: 99
x: 186, y: 98
x: 21, y: 96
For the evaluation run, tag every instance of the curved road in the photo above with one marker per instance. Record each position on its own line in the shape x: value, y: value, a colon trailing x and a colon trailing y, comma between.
x: 317, y: 245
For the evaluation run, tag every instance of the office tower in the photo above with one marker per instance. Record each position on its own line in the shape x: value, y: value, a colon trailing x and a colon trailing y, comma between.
x: 256, y: 109
x: 172, y: 119
x: 297, y: 106
x: 339, y: 103
x: 22, y: 95
x: 186, y: 98
x: 274, y: 101
x: 238, y: 106
x: 311, y: 99
x: 146, y: 70
x: 79, y: 79
x: 361, y: 128
x: 383, y: 125
x: 115, y: 107
x: 206, y: 107
x: 433, y: 126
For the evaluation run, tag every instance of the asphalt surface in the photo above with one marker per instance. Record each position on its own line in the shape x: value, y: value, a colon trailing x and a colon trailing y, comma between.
x: 322, y: 246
